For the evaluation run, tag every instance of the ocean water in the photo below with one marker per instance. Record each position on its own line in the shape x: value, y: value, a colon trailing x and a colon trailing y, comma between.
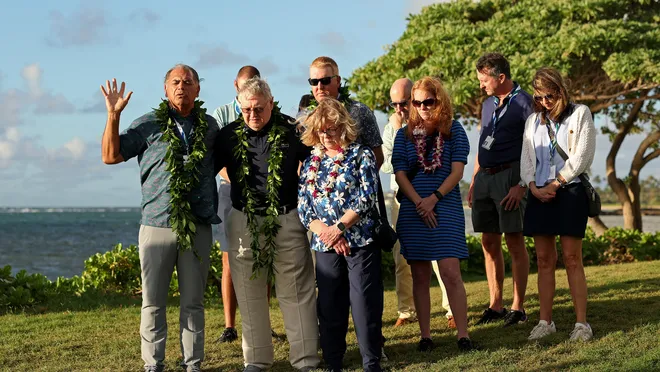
x: 56, y: 242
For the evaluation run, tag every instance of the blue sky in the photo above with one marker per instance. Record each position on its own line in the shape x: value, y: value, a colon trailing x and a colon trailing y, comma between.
x: 52, y: 114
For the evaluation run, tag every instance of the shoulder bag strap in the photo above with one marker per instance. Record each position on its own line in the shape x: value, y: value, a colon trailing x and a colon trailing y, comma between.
x: 381, y: 196
x: 583, y: 178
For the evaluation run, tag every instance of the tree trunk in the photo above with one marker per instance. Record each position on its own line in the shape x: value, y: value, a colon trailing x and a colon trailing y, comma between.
x: 638, y: 162
x: 597, y: 225
x: 620, y: 189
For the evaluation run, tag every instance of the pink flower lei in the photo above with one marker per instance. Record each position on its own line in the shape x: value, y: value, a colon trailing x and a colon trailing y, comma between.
x: 419, y: 135
x: 312, y: 173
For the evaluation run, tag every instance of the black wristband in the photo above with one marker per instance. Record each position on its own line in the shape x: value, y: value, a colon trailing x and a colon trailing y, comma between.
x: 438, y: 195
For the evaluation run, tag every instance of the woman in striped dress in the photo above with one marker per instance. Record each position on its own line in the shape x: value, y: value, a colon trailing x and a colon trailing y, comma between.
x: 428, y: 159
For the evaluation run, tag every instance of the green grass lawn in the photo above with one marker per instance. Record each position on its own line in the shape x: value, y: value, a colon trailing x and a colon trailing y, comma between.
x: 101, y: 333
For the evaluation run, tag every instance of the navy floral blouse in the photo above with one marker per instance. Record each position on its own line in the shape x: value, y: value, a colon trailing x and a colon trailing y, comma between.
x: 356, y: 189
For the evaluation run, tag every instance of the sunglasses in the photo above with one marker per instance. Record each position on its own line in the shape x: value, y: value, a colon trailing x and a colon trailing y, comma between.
x: 548, y: 97
x: 324, y: 81
x: 255, y: 111
x: 328, y: 131
x: 396, y: 104
x: 427, y: 102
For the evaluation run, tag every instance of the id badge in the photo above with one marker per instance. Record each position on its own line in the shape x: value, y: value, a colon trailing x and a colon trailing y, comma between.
x: 488, y: 142
x: 553, y: 173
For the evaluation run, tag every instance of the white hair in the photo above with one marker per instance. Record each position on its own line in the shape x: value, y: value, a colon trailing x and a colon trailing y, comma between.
x: 255, y: 86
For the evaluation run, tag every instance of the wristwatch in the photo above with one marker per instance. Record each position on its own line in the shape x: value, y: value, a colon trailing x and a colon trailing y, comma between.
x: 522, y: 184
x: 438, y: 195
x: 341, y: 227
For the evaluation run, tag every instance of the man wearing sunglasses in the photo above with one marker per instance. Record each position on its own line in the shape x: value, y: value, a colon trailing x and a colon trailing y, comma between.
x: 497, y: 196
x: 325, y: 82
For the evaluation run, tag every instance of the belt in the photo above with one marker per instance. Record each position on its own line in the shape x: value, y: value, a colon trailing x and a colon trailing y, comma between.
x: 262, y: 211
x: 496, y: 169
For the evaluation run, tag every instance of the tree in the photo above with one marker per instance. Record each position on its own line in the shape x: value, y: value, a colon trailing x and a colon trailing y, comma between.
x: 609, y: 51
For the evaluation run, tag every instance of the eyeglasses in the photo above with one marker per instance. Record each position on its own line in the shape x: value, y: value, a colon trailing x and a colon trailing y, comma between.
x: 401, y: 103
x: 548, y: 97
x: 256, y: 111
x: 324, y: 81
x: 328, y: 131
x: 427, y: 102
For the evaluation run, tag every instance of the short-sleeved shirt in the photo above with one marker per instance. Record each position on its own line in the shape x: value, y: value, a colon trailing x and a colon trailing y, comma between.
x: 228, y: 113
x: 447, y: 239
x: 356, y: 189
x: 508, y: 129
x: 143, y: 139
x: 258, y: 153
x: 364, y: 118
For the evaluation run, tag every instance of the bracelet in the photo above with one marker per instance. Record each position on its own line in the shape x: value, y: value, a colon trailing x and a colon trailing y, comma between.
x: 438, y: 195
x: 561, y: 184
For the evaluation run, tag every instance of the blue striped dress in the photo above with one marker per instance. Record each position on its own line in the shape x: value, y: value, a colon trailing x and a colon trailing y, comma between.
x: 447, y: 240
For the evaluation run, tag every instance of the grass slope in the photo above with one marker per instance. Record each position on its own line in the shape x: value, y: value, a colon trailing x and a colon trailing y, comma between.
x: 101, y: 333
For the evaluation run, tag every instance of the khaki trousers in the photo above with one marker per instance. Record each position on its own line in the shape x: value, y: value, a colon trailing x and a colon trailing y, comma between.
x: 159, y: 255
x: 404, y: 291
x: 294, y: 286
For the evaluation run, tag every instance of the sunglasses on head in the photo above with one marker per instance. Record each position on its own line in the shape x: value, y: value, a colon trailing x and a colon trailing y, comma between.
x: 324, y: 81
x: 427, y: 102
x: 548, y: 97
x: 401, y: 103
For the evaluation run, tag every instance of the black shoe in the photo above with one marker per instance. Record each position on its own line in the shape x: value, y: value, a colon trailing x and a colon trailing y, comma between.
x: 514, y: 317
x: 491, y: 315
x: 228, y: 335
x: 425, y: 345
x: 465, y: 344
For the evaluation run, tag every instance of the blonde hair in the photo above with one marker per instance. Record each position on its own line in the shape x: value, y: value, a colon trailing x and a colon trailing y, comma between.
x: 328, y: 110
x: 549, y: 80
x: 442, y: 112
x: 323, y: 61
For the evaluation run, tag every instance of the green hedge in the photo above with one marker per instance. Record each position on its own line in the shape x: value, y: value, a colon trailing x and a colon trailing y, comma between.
x: 118, y: 270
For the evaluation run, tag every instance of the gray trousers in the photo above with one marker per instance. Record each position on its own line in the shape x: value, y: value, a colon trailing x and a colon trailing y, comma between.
x: 158, y: 258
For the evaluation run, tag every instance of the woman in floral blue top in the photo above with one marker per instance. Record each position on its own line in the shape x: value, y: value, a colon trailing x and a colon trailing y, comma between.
x: 336, y: 196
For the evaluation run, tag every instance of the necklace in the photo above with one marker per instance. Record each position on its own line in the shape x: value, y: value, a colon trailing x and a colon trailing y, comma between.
x: 312, y: 173
x: 419, y: 135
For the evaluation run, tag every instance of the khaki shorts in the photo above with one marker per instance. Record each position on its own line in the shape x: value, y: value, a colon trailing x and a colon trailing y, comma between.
x: 489, y: 190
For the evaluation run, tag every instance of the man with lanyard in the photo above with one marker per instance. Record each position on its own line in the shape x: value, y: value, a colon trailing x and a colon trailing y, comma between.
x: 225, y: 115
x: 325, y: 82
x: 400, y: 102
x: 497, y: 196
x: 267, y: 242
x: 180, y: 126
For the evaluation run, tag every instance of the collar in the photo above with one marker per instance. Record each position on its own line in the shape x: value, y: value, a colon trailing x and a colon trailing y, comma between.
x: 508, y: 96
x: 262, y: 132
x: 237, y: 106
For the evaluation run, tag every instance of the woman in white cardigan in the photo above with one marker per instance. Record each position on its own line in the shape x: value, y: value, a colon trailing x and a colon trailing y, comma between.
x: 557, y: 204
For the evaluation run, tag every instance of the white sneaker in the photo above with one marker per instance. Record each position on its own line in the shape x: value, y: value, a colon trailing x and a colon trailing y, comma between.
x: 542, y: 329
x: 582, y: 332
x: 383, y: 357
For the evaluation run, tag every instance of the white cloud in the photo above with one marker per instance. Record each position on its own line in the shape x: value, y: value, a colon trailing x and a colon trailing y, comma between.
x: 32, y: 76
x: 76, y: 146
x: 267, y: 67
x: 211, y: 56
x: 81, y: 28
x: 12, y: 134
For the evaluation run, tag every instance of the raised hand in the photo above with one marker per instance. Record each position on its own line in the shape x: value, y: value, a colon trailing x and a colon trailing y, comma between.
x: 115, y: 101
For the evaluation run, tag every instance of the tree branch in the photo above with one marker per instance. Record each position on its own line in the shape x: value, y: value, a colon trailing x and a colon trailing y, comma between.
x: 594, y: 97
x: 599, y: 106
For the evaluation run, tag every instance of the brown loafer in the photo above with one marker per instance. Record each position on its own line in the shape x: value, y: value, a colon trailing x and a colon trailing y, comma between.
x: 450, y: 322
x: 403, y: 321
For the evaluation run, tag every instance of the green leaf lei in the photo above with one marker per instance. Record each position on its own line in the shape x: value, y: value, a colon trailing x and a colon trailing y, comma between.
x: 184, y: 176
x: 264, y: 257
x: 344, y: 98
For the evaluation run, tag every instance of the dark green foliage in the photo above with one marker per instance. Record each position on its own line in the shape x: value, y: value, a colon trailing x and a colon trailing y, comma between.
x: 118, y: 270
